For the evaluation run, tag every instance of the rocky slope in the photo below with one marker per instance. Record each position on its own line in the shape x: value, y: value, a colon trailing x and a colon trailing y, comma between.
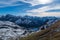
x: 9, y: 30
x: 51, y: 33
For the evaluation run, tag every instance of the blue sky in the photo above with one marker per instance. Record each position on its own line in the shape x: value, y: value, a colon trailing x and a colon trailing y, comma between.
x: 30, y: 7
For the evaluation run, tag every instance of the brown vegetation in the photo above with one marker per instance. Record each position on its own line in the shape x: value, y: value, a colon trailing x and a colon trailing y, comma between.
x: 51, y: 33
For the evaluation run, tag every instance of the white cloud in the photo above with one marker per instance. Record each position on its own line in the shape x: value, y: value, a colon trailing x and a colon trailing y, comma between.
x: 39, y: 10
x: 10, y: 2
x: 57, y: 14
x: 37, y: 2
x: 5, y: 3
x: 43, y: 9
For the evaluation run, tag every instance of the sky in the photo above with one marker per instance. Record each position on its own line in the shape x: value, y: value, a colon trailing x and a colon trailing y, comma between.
x: 30, y: 7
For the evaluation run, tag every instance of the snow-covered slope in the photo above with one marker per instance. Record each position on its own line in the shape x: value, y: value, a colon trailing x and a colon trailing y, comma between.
x: 9, y: 30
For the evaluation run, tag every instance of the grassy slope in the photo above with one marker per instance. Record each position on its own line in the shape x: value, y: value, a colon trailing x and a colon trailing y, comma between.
x: 46, y: 34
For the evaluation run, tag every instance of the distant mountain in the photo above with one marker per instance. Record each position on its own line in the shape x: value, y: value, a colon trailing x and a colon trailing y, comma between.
x: 27, y: 21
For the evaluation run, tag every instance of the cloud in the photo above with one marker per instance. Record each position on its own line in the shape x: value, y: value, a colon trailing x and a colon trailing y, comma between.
x: 55, y: 5
x: 6, y: 3
x: 37, y: 2
x: 44, y: 14
x: 32, y: 9
x: 39, y: 10
x: 54, y: 10
x: 50, y: 10
x: 44, y: 9
x: 32, y: 2
x: 11, y: 2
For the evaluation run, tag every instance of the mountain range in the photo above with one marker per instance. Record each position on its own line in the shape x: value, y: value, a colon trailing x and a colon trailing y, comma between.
x: 13, y: 27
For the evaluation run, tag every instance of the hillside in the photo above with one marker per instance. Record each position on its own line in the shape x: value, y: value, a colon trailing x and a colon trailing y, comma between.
x: 26, y: 27
x: 9, y: 30
x: 51, y: 33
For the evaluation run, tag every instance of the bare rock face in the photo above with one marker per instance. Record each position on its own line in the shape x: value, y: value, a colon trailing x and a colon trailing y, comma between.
x: 10, y: 31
